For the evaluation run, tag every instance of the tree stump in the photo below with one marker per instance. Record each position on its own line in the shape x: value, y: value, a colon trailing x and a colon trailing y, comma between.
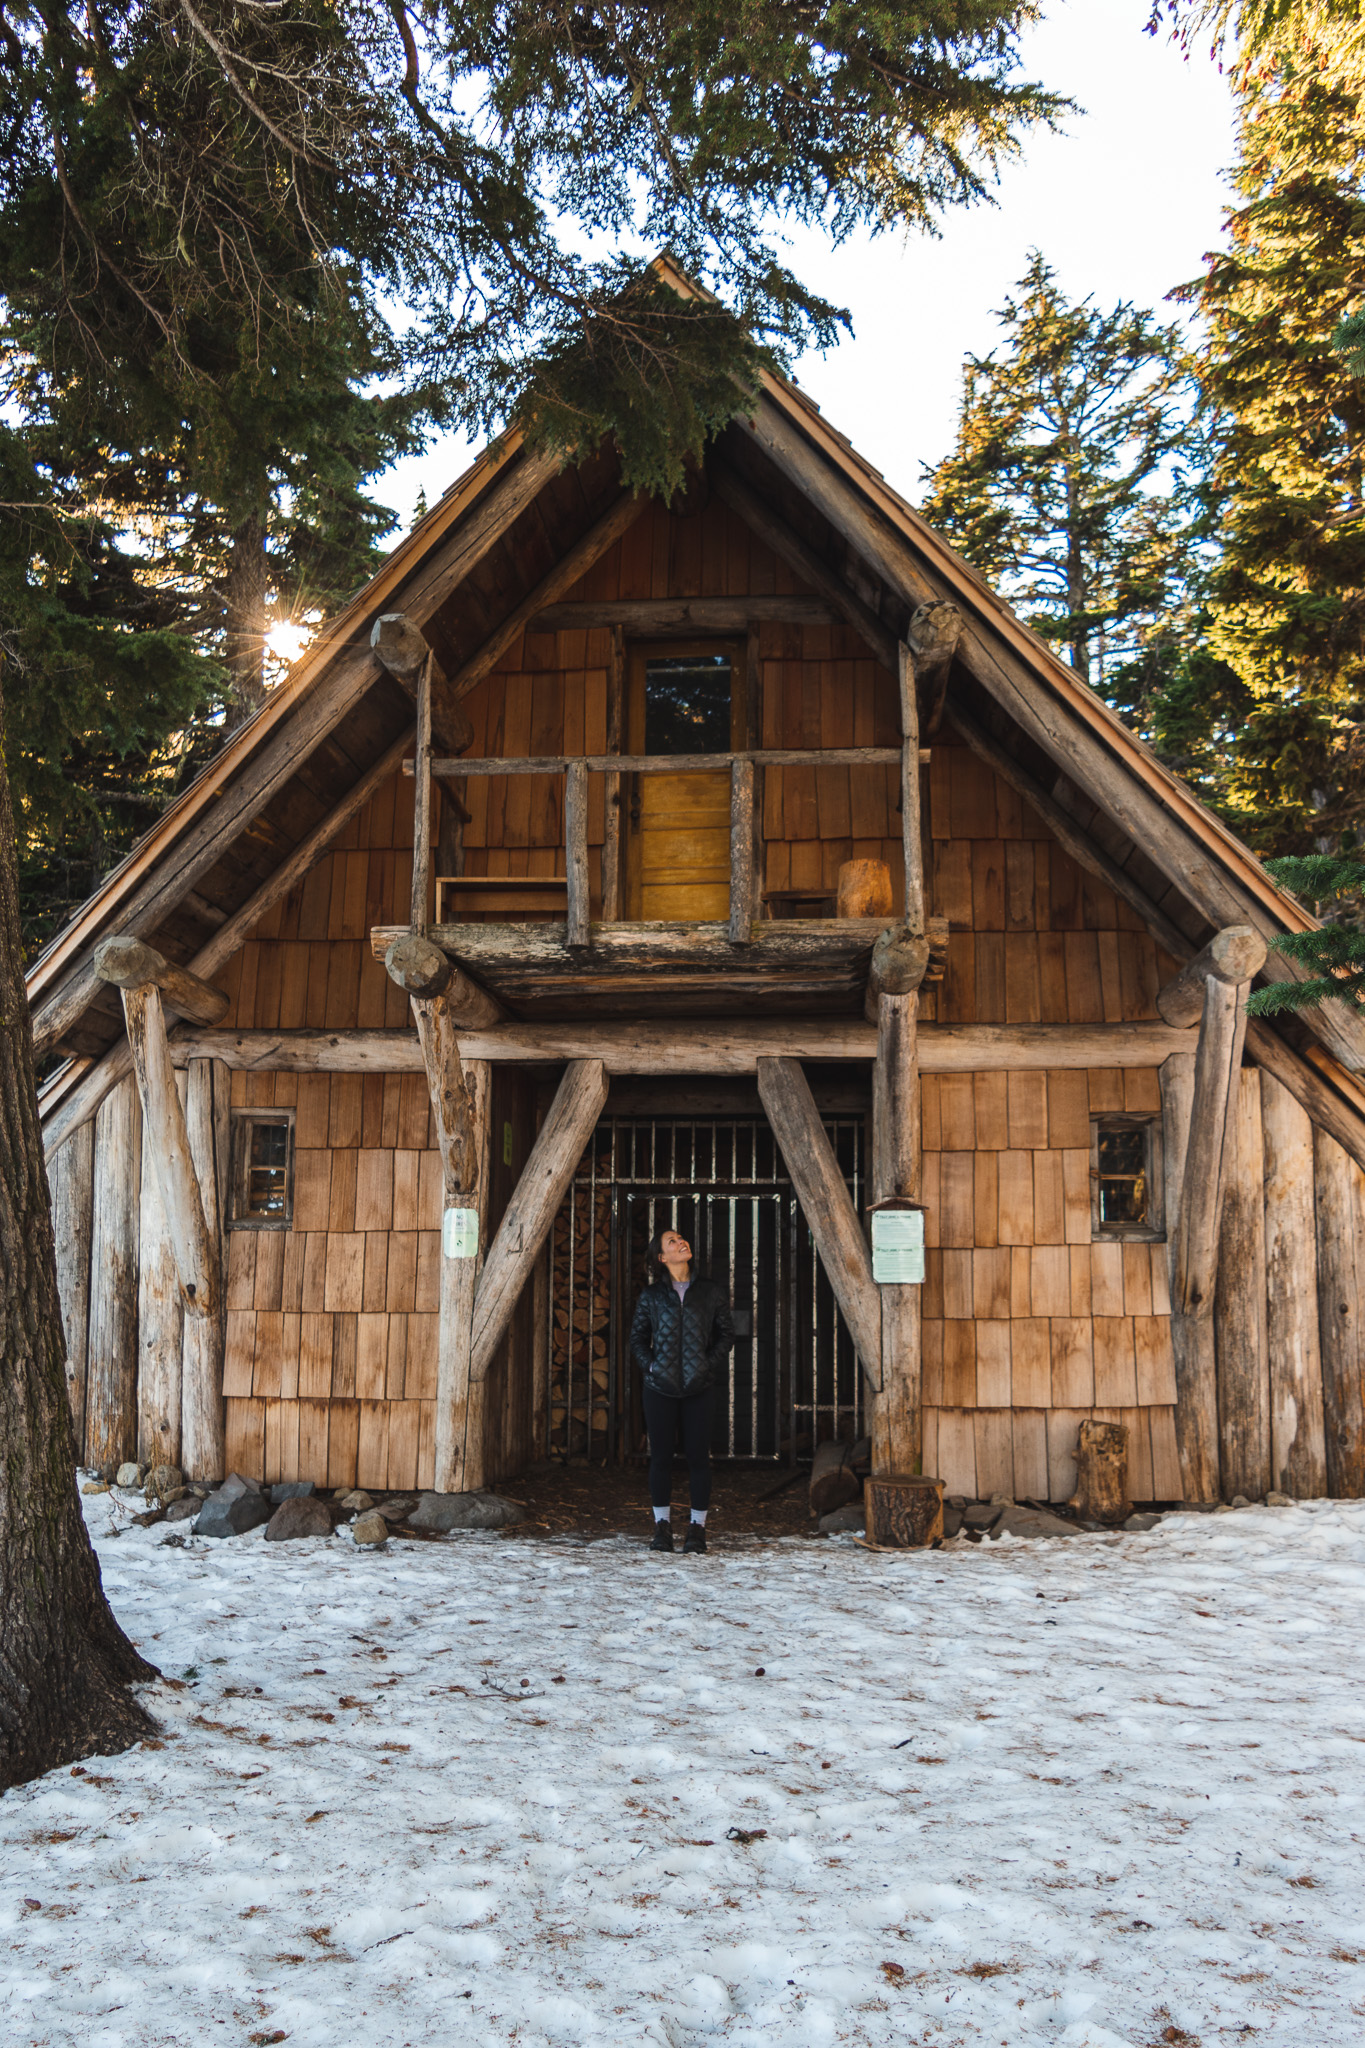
x: 903, y: 1514
x: 1102, y: 1473
x: 864, y: 889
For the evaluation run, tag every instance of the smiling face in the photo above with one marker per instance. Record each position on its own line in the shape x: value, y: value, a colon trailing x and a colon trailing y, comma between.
x: 675, y: 1252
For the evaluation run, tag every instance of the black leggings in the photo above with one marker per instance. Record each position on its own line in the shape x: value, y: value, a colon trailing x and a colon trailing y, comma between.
x: 665, y: 1419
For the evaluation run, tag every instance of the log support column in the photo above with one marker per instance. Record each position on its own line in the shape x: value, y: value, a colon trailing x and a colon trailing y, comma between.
x: 1199, y: 1104
x: 190, y: 1220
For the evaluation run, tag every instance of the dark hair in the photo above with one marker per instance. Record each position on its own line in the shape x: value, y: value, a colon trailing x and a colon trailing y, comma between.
x: 654, y: 1264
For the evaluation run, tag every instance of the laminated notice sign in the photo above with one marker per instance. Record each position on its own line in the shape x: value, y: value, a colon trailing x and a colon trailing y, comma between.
x: 898, y: 1247
x: 460, y: 1233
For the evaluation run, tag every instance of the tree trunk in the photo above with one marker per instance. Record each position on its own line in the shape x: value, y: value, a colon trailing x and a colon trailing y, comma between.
x: 244, y: 595
x: 65, y: 1665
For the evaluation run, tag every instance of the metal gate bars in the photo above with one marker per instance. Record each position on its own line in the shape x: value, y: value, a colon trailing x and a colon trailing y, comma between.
x: 793, y: 1378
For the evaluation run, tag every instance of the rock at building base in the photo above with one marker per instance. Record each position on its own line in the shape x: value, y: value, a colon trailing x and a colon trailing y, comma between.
x: 291, y: 1489
x: 1279, y: 1500
x: 237, y: 1506
x: 184, y: 1509
x: 446, y: 1511
x: 844, y: 1521
x: 1015, y: 1521
x: 299, y: 1515
x: 129, y: 1475
x: 95, y: 1486
x: 1138, y: 1523
x: 164, y: 1483
x: 356, y: 1502
x: 952, y: 1519
x: 370, y: 1529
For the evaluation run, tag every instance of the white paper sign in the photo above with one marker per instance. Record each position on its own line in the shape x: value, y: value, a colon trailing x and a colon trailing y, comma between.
x: 460, y: 1233
x: 898, y: 1247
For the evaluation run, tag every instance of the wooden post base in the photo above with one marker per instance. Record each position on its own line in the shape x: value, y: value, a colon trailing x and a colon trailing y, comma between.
x: 903, y: 1514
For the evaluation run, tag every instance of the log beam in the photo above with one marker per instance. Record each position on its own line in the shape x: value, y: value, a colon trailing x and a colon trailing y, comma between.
x: 580, y: 558
x: 560, y: 1142
x: 933, y: 634
x: 656, y: 616
x: 77, y: 1107
x: 702, y: 1047
x: 450, y: 1098
x: 129, y: 964
x: 1234, y: 955
x: 403, y: 650
x: 422, y: 969
x: 826, y: 1205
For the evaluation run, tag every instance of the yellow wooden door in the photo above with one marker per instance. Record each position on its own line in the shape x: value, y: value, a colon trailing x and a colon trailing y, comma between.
x: 682, y: 847
x: 683, y: 699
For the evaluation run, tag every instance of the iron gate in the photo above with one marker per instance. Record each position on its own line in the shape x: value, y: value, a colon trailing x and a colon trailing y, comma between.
x: 793, y: 1378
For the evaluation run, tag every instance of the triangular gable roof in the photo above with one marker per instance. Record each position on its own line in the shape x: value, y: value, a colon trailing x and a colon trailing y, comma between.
x: 788, y: 435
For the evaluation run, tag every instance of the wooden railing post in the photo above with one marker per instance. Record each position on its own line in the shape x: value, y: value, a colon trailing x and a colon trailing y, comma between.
x: 576, y: 851
x: 741, y: 852
x: 611, y: 827
x: 421, y: 818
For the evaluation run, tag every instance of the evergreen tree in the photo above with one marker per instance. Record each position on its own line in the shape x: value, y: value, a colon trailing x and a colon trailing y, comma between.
x: 1335, y: 884
x: 209, y: 209
x: 1061, y: 489
x: 1286, y: 593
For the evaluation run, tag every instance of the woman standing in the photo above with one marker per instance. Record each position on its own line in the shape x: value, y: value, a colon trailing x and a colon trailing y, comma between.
x: 679, y: 1338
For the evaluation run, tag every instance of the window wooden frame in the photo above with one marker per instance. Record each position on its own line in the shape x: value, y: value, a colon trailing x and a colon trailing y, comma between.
x: 239, y: 1216
x: 1153, y: 1231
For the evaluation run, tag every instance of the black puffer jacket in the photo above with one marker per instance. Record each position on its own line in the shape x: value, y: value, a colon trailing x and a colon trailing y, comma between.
x: 681, y: 1346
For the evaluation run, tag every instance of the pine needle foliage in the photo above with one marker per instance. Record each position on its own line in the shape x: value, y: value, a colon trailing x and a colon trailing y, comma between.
x: 1061, y: 486
x: 1336, y: 952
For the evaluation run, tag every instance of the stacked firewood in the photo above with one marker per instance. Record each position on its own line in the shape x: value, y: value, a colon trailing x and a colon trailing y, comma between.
x: 579, y: 1322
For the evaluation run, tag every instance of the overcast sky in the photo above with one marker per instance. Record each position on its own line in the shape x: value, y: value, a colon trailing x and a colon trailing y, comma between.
x: 1123, y: 205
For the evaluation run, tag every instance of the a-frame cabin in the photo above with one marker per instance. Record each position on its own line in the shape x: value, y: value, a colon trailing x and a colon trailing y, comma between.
x: 638, y: 1001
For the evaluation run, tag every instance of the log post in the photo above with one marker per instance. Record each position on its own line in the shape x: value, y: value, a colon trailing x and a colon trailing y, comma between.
x: 826, y: 1205
x: 560, y: 1142
x: 403, y: 649
x: 1193, y: 1234
x: 576, y: 852
x: 896, y: 1159
x: 1298, y: 1459
x: 934, y: 632
x: 741, y: 853
x: 160, y: 1324
x: 455, y: 1124
x: 611, y: 817
x: 1233, y: 956
x: 911, y: 841
x: 422, y: 969
x: 208, y: 1124
x: 195, y: 1246
x: 459, y: 1398
x: 1240, y: 1302
x: 1339, y: 1188
x: 421, y: 813
x: 70, y: 1176
x: 111, y: 1374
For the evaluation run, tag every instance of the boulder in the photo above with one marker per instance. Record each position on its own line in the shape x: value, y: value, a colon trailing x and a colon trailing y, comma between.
x: 370, y: 1528
x: 164, y: 1483
x: 237, y: 1506
x: 184, y: 1509
x: 446, y: 1511
x: 298, y: 1515
x: 129, y: 1475
x: 1016, y: 1521
x: 1138, y: 1523
x: 980, y: 1516
x: 1279, y: 1500
x: 95, y: 1486
x: 952, y: 1519
x: 356, y: 1502
x: 398, y: 1510
x: 848, y: 1520
x: 291, y: 1489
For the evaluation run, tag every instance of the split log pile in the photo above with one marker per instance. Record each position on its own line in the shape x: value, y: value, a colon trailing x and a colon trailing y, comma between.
x: 581, y: 1249
x: 837, y: 1473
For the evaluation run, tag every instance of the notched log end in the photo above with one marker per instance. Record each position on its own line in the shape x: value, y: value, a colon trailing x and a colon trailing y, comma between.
x: 418, y: 966
x: 128, y: 963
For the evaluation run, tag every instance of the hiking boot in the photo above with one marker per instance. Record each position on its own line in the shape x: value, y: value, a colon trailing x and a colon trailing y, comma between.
x: 694, y: 1543
x: 663, y: 1537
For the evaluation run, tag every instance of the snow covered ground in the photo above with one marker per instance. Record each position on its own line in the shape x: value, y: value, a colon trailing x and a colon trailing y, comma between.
x: 1099, y: 1791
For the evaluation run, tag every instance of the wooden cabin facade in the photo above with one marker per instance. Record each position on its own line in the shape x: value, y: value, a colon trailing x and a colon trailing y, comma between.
x: 1138, y: 1207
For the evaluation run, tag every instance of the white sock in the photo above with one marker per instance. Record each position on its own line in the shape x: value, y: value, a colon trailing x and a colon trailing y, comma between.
x: 699, y: 1517
x: 662, y: 1514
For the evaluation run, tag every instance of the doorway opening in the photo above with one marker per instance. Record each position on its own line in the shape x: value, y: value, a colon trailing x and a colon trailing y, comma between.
x: 682, y: 699
x: 793, y: 1378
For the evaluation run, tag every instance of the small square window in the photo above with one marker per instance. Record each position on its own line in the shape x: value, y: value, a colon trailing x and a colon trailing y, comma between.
x: 1125, y: 1177
x: 263, y: 1169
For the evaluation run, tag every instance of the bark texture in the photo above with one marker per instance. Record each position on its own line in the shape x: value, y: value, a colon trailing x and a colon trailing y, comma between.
x: 65, y: 1665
